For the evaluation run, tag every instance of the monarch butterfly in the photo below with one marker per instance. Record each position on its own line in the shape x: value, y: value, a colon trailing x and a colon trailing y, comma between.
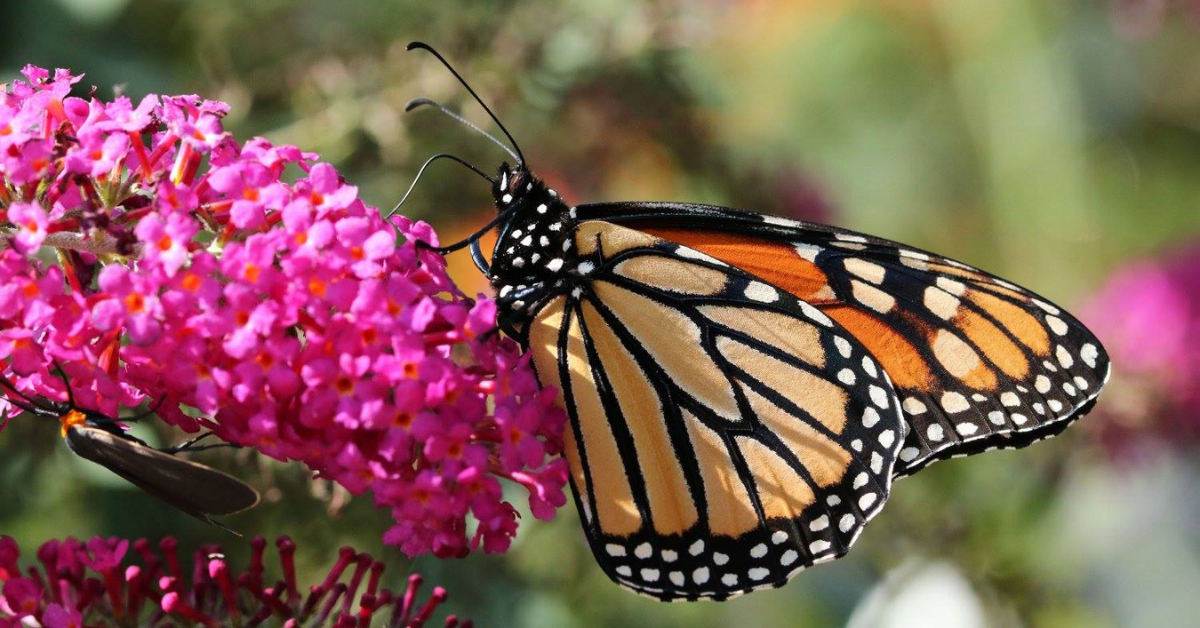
x: 742, y: 388
x: 196, y: 489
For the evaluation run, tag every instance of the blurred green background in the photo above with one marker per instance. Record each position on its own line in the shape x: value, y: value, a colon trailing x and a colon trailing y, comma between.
x: 1050, y: 142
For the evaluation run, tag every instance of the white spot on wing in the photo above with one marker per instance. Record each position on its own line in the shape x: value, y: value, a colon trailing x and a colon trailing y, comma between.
x: 868, y: 271
x: 761, y: 292
x: 952, y: 286
x: 684, y: 251
x: 1064, y: 357
x: 913, y: 406
x: 808, y: 251
x: 872, y: 297
x: 815, y: 314
x: 943, y: 305
x: 879, y: 396
x: 1089, y: 353
x: 776, y: 220
x: 870, y: 417
x: 954, y: 402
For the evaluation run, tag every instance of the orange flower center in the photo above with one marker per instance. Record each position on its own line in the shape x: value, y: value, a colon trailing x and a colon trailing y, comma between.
x: 135, y: 302
x: 191, y: 282
x: 317, y: 287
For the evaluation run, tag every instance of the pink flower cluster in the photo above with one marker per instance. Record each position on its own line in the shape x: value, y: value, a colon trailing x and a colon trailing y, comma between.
x: 247, y: 289
x: 96, y: 583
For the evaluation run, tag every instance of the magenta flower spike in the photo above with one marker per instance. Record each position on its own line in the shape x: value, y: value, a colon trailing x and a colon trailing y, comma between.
x: 95, y: 583
x: 197, y: 271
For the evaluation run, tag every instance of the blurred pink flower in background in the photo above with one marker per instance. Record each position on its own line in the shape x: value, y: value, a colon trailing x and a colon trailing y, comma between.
x: 1141, y: 19
x: 1148, y: 316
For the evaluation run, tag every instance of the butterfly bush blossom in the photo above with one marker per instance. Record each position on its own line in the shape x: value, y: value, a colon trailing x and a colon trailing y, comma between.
x: 115, y: 582
x: 152, y: 259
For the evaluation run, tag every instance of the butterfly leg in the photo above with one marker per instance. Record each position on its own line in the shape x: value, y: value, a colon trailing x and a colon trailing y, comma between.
x: 190, y: 446
x: 141, y: 415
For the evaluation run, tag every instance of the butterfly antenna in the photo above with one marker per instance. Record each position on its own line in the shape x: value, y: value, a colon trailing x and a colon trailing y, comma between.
x: 27, y: 403
x: 426, y: 47
x: 421, y: 172
x: 23, y: 406
x: 419, y: 102
x: 62, y: 374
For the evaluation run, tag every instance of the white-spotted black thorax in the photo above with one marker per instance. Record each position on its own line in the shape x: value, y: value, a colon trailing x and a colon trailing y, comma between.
x: 534, y: 252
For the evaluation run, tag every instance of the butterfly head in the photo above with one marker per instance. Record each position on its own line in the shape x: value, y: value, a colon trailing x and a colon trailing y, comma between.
x: 515, y: 186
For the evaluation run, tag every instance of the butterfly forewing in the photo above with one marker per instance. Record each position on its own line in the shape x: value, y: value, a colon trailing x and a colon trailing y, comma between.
x: 724, y: 434
x: 979, y: 363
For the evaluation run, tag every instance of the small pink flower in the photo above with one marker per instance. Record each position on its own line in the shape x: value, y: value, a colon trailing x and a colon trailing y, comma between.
x: 166, y: 239
x: 58, y: 617
x: 31, y: 222
x: 97, y: 152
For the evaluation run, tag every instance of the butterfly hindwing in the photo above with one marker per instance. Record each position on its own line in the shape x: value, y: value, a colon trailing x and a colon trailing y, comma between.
x: 979, y: 362
x: 724, y: 434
